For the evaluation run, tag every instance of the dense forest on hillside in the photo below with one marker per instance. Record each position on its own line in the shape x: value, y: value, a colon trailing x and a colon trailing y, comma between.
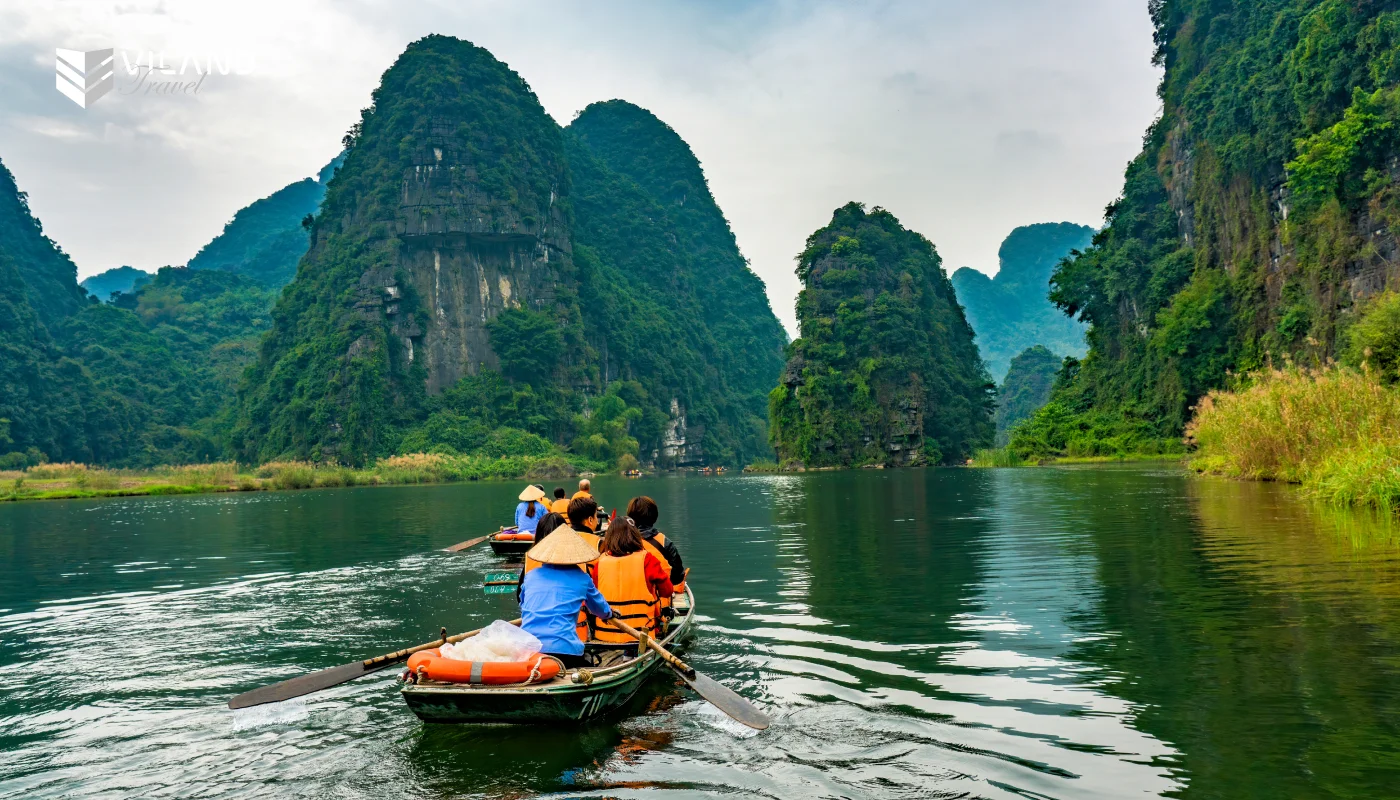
x: 643, y: 207
x: 476, y: 268
x: 265, y: 240
x: 1011, y: 311
x: 885, y: 370
x: 1026, y: 389
x: 138, y: 382
x: 1259, y: 216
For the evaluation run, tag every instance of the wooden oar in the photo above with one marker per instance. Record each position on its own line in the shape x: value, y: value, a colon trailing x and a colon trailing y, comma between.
x: 326, y: 678
x: 460, y: 546
x: 716, y: 693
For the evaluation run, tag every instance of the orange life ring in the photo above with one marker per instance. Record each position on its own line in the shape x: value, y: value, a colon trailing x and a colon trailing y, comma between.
x: 515, y: 537
x: 431, y: 665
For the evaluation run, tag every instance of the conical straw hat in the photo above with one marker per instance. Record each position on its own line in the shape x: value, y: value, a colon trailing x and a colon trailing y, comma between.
x: 530, y: 494
x: 563, y: 546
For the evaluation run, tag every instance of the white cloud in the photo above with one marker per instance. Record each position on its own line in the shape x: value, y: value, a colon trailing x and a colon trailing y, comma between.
x: 963, y: 119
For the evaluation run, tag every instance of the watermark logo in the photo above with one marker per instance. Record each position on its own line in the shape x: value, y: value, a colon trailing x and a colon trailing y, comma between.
x: 84, y: 77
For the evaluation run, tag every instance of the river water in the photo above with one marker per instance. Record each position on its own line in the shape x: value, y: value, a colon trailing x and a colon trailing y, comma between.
x: 1041, y: 633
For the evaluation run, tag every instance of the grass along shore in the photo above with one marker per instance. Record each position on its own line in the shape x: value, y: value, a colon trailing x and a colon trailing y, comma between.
x: 63, y: 481
x: 1335, y: 431
x: 1007, y: 457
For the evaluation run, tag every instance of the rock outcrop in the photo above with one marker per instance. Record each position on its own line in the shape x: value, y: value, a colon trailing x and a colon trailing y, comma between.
x: 886, y: 371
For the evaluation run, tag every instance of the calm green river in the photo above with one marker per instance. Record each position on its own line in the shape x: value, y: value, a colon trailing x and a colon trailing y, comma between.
x: 1037, y: 633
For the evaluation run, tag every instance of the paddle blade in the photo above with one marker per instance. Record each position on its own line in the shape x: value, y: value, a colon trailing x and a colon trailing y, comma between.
x: 460, y: 546
x: 305, y: 684
x: 724, y: 698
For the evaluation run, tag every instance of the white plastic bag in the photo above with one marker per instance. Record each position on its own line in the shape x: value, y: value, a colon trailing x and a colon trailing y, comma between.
x: 499, y: 641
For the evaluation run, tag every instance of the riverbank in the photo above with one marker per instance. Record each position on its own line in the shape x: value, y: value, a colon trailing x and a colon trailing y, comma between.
x: 1007, y: 457
x: 69, y: 481
x: 1334, y: 431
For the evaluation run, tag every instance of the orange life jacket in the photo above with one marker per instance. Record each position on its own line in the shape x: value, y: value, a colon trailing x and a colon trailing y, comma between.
x: 560, y: 506
x: 623, y: 582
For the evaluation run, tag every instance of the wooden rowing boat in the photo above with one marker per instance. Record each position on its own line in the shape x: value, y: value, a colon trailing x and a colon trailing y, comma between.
x: 574, y: 696
x: 519, y: 547
x: 509, y: 547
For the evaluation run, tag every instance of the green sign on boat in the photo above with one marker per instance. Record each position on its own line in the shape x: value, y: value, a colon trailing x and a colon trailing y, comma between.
x: 500, y: 588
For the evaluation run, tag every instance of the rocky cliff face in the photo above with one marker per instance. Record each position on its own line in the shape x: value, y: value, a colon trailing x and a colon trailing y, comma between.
x: 886, y: 371
x: 468, y: 255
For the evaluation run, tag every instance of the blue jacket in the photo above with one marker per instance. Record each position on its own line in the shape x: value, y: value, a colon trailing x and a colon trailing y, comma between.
x: 526, y: 524
x: 550, y: 598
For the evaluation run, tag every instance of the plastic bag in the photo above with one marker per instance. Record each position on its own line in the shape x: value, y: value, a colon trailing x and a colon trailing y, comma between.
x: 499, y: 641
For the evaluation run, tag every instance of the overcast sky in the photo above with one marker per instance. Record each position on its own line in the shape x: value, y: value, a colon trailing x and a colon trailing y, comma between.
x: 965, y: 119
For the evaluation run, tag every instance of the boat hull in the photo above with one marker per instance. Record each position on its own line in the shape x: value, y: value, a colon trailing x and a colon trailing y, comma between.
x: 510, y: 548
x: 571, y: 704
x: 559, y: 701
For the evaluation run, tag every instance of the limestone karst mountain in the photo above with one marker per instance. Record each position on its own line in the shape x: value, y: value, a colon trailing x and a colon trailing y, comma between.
x: 474, y: 266
x: 1011, y: 310
x: 885, y: 370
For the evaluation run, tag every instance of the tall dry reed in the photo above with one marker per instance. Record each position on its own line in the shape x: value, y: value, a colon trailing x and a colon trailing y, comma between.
x: 1334, y: 430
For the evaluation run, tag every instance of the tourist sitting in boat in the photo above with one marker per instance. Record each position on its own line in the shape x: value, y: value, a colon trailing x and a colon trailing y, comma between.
x: 530, y: 510
x: 560, y: 505
x: 585, y: 489
x: 548, y: 524
x: 583, y: 519
x: 644, y: 513
x: 632, y: 580
x: 551, y: 596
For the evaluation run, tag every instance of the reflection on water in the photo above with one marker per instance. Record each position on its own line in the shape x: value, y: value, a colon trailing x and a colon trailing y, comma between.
x: 920, y: 633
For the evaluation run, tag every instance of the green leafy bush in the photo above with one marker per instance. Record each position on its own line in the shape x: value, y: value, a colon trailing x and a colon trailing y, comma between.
x: 1373, y: 340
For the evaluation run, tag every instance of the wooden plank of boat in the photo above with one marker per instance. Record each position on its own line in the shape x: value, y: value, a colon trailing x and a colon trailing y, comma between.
x: 559, y: 700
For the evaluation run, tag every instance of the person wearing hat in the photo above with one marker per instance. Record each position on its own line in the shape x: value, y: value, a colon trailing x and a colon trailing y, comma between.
x: 528, y: 513
x: 552, y: 594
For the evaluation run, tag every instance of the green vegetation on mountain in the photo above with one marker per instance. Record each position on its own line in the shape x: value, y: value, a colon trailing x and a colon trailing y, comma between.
x: 1026, y: 389
x: 654, y: 248
x: 479, y: 278
x: 138, y: 382
x: 886, y: 370
x: 48, y: 277
x: 730, y: 297
x: 162, y: 364
x: 1261, y: 211
x: 43, y: 395
x: 1010, y: 311
x: 116, y: 279
x: 265, y: 240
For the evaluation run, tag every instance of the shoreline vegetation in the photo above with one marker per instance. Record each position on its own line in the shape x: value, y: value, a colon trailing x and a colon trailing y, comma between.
x: 1334, y: 431
x: 67, y: 481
